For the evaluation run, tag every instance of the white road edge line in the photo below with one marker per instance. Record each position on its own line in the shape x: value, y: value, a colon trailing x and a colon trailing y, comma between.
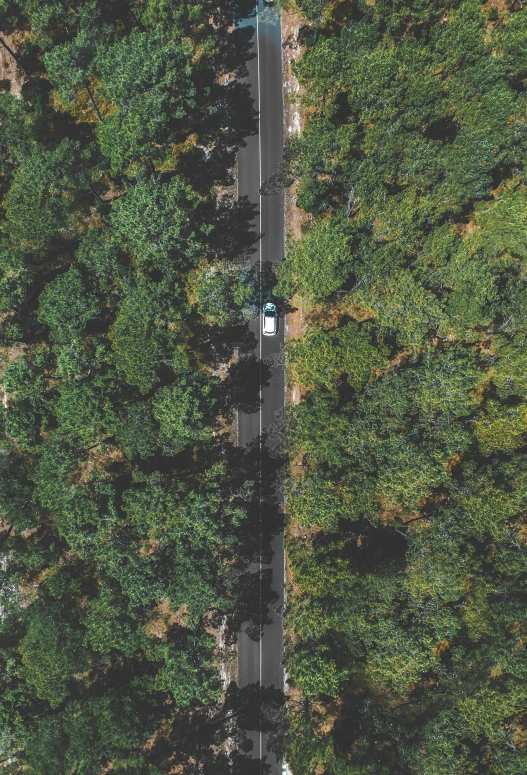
x: 260, y: 333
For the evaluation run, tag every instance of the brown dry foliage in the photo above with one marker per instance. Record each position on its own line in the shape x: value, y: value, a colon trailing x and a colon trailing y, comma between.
x: 163, y: 617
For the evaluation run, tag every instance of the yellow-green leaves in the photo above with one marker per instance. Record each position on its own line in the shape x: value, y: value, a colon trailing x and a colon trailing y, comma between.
x: 320, y: 357
x: 317, y: 265
x: 501, y: 427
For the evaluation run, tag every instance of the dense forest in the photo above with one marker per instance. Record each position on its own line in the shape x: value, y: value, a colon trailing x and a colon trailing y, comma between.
x: 128, y: 512
x: 407, y: 497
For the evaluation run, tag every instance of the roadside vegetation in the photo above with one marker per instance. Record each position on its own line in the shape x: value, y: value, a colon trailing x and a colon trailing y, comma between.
x: 128, y: 513
x: 407, y: 501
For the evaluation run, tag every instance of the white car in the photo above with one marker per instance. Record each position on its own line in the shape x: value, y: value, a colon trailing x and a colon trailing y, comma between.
x: 269, y: 319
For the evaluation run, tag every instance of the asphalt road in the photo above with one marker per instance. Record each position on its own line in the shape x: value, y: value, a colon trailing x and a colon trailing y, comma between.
x: 261, y: 661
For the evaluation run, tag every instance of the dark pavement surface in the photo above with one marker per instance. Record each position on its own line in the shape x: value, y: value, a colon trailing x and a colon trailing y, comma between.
x: 261, y: 661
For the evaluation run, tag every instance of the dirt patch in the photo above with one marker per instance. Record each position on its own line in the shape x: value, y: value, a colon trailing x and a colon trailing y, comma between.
x: 294, y: 117
x: 7, y: 356
x: 465, y: 229
x: 327, y: 714
x: 296, y: 320
x: 29, y: 589
x: 98, y: 460
x: 304, y: 533
x: 522, y: 535
x: 163, y: 617
x: 291, y: 21
x: 295, y: 325
x: 9, y: 70
x: 148, y: 547
x: 329, y: 316
x: 400, y: 359
x: 502, y: 6
x: 28, y: 532
x: 227, y: 656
